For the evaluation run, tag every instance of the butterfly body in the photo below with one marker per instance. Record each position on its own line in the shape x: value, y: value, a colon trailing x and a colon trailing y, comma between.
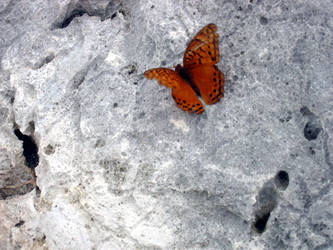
x: 199, y: 76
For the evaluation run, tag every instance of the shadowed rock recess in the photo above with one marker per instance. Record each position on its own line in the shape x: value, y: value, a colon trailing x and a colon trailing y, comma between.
x: 119, y: 166
x: 30, y: 149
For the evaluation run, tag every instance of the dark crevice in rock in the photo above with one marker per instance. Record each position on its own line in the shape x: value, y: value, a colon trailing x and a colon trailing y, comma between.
x: 20, y: 223
x: 267, y: 200
x: 30, y: 149
x: 25, y: 181
x: 112, y: 10
x: 261, y: 221
x: 38, y: 191
x: 70, y: 17
x: 113, y: 15
x: 104, y: 11
x: 79, y: 78
x: 49, y: 58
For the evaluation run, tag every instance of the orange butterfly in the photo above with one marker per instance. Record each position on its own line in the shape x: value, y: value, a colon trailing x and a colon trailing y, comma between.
x: 199, y: 75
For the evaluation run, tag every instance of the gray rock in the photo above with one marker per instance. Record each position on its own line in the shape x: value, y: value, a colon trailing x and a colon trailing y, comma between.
x: 121, y: 167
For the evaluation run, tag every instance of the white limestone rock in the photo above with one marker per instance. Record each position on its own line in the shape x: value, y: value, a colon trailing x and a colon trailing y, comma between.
x: 121, y: 167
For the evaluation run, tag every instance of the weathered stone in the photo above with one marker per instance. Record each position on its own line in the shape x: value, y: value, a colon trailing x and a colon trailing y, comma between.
x: 121, y: 167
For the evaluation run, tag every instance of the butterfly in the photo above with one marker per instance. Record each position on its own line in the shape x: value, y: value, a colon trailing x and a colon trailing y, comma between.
x: 198, y: 77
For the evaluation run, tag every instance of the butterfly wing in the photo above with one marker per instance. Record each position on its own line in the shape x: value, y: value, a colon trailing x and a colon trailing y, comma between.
x: 203, y: 49
x: 199, y: 60
x: 210, y: 82
x: 182, y: 92
x: 164, y: 76
x: 187, y: 100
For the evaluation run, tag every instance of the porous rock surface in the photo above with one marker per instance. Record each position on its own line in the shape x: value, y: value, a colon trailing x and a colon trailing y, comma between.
x: 121, y: 167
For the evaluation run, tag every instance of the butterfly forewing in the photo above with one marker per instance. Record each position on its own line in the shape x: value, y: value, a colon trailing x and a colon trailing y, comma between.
x: 203, y: 49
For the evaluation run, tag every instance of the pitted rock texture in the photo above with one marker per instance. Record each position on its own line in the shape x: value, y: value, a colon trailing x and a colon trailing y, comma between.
x: 121, y: 167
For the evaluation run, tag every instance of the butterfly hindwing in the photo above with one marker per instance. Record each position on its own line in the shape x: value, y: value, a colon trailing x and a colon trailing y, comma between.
x: 203, y: 49
x: 210, y: 82
x: 187, y: 100
x: 182, y: 93
x: 164, y: 76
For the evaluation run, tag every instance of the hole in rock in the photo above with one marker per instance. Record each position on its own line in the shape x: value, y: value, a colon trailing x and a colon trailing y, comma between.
x: 20, y: 223
x: 261, y: 222
x: 311, y: 131
x: 282, y: 179
x: 30, y: 149
x: 266, y: 202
